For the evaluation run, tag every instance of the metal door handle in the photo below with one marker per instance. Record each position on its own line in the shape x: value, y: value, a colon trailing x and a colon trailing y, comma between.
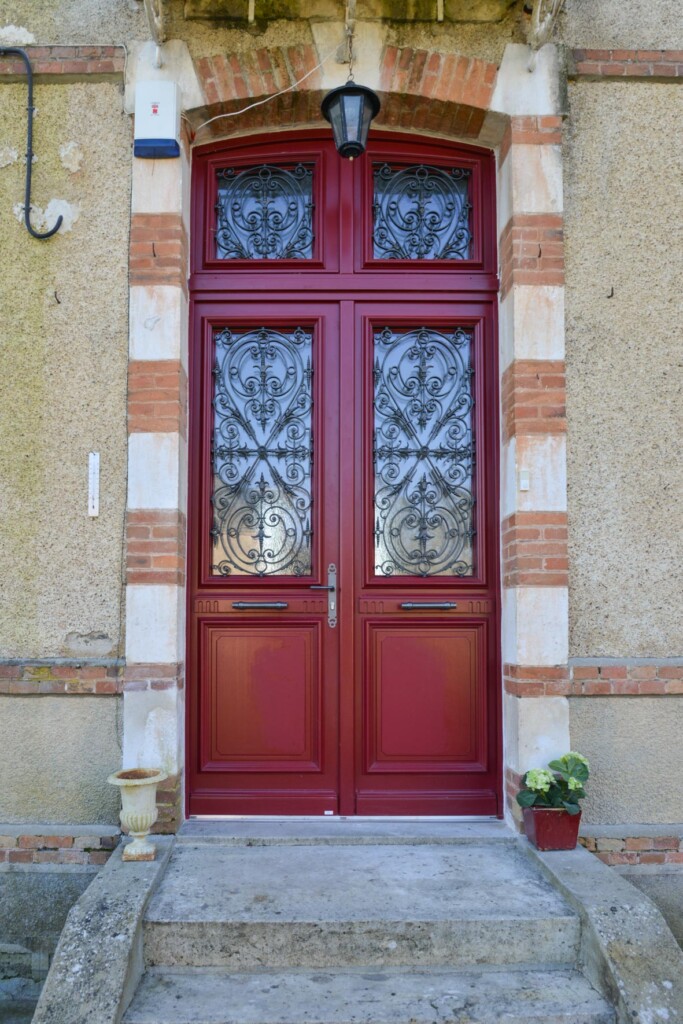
x: 444, y: 605
x: 331, y: 588
x: 260, y: 604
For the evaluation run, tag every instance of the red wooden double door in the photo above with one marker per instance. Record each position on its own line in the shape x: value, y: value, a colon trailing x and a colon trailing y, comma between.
x: 343, y: 566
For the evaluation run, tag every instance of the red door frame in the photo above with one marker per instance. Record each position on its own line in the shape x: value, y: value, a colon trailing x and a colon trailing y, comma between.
x: 334, y: 275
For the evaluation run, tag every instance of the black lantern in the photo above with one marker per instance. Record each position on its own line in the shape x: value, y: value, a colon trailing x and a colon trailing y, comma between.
x: 350, y: 109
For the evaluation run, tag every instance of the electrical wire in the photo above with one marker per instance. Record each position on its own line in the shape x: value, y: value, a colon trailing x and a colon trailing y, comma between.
x: 274, y: 95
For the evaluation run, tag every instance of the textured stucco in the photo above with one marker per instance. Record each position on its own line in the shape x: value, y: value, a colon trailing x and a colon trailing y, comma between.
x: 624, y: 253
x: 624, y: 24
x: 87, y: 21
x: 55, y: 756
x: 77, y: 21
x: 633, y: 745
x: 63, y: 357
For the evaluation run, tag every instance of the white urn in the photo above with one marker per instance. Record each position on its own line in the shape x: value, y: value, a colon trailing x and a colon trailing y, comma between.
x: 138, y: 808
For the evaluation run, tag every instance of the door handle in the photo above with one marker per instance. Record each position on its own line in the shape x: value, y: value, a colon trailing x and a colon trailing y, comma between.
x: 442, y: 605
x: 331, y: 588
x: 260, y: 604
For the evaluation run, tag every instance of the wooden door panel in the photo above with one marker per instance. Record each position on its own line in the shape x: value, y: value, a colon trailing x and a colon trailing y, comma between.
x: 263, y: 532
x: 375, y: 706
x: 426, y: 605
x: 425, y: 697
x: 262, y: 689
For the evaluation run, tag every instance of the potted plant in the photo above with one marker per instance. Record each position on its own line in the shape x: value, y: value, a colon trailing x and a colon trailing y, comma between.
x: 138, y: 808
x: 550, y: 801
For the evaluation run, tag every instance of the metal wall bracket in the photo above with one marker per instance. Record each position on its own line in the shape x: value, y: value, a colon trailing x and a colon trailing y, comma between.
x: 543, y: 18
x: 154, y: 9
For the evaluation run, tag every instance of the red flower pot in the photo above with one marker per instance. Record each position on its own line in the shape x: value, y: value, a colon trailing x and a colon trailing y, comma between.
x: 551, y: 828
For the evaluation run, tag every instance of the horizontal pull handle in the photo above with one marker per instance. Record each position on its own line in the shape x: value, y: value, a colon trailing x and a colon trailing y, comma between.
x: 321, y: 586
x: 260, y: 604
x: 444, y: 605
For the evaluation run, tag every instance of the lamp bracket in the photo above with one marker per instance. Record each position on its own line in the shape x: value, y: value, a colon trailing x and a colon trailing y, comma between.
x: 154, y: 9
x: 350, y: 28
x: 543, y: 19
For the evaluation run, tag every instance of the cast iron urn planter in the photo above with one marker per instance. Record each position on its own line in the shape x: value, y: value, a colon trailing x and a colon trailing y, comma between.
x: 138, y: 808
x: 551, y: 828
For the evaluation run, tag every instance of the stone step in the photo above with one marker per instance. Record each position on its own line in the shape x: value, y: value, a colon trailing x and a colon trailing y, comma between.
x: 360, y: 905
x: 364, y: 996
x: 339, y: 831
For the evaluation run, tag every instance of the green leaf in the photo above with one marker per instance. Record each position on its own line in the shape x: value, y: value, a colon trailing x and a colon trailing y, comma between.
x: 571, y: 808
x: 526, y: 798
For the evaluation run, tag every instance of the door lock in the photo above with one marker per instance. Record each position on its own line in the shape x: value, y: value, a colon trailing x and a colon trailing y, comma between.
x: 331, y: 588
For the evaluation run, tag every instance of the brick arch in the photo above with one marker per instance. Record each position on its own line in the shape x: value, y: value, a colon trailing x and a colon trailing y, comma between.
x: 420, y: 90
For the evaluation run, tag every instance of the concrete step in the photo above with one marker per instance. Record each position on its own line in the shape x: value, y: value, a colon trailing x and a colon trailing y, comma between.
x: 317, y: 906
x: 362, y: 996
x: 339, y: 831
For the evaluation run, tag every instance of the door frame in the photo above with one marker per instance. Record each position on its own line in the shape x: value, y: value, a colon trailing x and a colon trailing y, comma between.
x: 473, y: 281
x: 523, y: 127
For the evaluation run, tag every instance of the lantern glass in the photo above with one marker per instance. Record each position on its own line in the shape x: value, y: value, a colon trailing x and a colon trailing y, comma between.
x: 350, y: 109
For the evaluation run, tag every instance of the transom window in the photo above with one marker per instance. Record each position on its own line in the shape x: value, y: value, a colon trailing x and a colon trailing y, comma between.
x: 421, y: 213
x: 265, y: 213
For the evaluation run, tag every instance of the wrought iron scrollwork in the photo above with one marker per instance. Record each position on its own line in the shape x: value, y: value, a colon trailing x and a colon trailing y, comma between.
x: 265, y: 213
x: 262, y: 453
x: 421, y: 213
x: 423, y: 453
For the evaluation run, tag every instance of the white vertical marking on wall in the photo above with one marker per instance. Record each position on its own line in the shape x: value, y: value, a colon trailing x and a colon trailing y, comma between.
x: 93, y: 484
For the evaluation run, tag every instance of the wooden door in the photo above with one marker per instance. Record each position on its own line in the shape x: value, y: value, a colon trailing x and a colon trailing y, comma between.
x: 343, y: 436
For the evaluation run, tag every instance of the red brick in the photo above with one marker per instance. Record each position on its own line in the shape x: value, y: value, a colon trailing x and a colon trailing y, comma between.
x: 638, y: 843
x: 20, y: 856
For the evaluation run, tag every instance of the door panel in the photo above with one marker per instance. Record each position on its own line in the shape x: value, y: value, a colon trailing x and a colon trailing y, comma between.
x: 265, y: 382
x: 426, y: 726
x: 263, y: 696
x: 424, y: 700
x: 344, y: 418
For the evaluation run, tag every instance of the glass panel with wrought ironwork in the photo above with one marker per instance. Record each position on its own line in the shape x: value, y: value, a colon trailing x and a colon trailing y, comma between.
x: 265, y: 213
x: 421, y: 213
x: 423, y: 451
x: 262, y: 453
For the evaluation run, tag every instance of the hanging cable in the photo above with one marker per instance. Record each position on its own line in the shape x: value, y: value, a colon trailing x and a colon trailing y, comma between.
x: 274, y: 95
x: 4, y: 51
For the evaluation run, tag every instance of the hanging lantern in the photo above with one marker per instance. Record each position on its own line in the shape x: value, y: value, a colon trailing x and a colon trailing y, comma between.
x: 350, y: 109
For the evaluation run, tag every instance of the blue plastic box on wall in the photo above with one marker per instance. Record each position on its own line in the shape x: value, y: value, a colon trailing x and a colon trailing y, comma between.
x: 157, y: 120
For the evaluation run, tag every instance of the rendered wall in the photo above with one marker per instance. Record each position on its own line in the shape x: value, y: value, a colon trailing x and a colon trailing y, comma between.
x: 63, y: 359
x: 622, y: 24
x: 631, y: 743
x: 624, y: 266
x: 55, y: 756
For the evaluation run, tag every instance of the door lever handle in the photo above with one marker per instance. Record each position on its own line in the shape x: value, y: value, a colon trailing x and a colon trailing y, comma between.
x: 331, y: 588
x: 443, y: 605
x: 260, y: 604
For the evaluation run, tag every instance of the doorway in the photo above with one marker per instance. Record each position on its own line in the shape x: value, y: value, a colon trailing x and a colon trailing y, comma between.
x: 343, y: 624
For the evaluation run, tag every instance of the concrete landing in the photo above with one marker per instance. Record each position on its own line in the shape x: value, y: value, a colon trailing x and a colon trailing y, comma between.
x: 367, y: 997
x: 340, y: 831
x: 245, y: 907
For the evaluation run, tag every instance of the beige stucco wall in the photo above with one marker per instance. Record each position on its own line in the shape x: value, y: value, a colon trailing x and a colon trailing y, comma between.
x: 55, y: 755
x: 63, y: 358
x: 88, y: 21
x: 624, y: 252
x: 633, y: 745
x: 622, y: 24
